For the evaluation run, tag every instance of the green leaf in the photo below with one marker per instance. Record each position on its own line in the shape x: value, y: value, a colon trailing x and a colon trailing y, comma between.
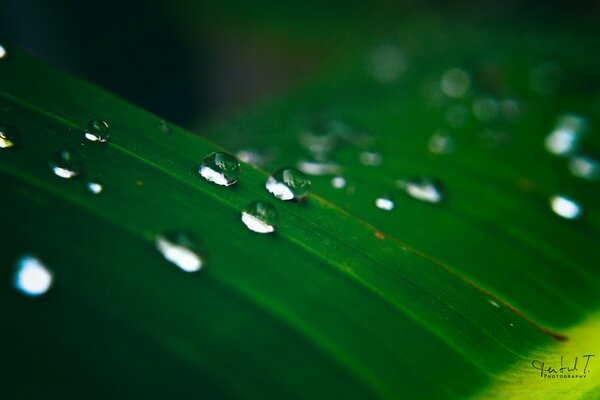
x: 430, y: 301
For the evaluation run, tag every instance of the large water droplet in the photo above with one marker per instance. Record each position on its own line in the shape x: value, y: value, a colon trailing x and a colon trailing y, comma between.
x: 260, y: 217
x: 2, y: 51
x: 565, y: 137
x: 32, y: 277
x: 66, y: 164
x: 584, y: 167
x: 97, y: 130
x: 423, y: 188
x: 181, y: 249
x: 455, y: 82
x: 94, y: 187
x: 288, y: 184
x: 385, y: 203
x: 565, y: 207
x: 220, y: 168
x: 9, y: 136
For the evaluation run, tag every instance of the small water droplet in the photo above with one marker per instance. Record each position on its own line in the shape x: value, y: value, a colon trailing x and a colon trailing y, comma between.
x: 384, y: 203
x: 9, y: 136
x: 94, y: 187
x: 32, y: 277
x: 455, y: 82
x: 288, y: 184
x: 565, y: 207
x: 584, y: 167
x: 163, y: 126
x: 565, y: 137
x: 440, y: 143
x: 260, y: 217
x: 314, y: 167
x: 181, y: 249
x: 2, y: 51
x: 387, y: 63
x: 423, y: 188
x: 371, y: 158
x: 486, y: 109
x: 338, y: 182
x: 97, y: 130
x: 66, y: 164
x: 546, y: 78
x: 220, y: 168
x: 494, y: 303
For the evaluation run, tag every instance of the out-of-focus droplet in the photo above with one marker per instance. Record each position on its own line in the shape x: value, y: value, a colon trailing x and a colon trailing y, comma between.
x: 315, y: 167
x: 584, y: 167
x: 338, y: 182
x: 455, y: 82
x: 546, y: 78
x: 440, y: 143
x: 260, y: 217
x: 32, y: 277
x: 163, y: 126
x: 181, y: 249
x: 220, y: 168
x: 564, y: 138
x: 94, y: 187
x: 288, y: 184
x: 423, y: 188
x: 486, y: 109
x: 9, y: 136
x: 387, y: 63
x: 97, y: 130
x: 2, y: 51
x: 371, y: 158
x: 250, y: 156
x: 565, y: 207
x: 384, y: 202
x: 66, y: 164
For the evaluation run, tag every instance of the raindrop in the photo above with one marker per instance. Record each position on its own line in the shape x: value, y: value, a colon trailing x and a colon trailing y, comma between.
x: 338, y: 182
x: 288, y: 184
x: 94, y: 187
x: 97, y: 130
x: 440, y: 143
x: 66, y: 164
x: 181, y: 249
x: 250, y: 156
x: 9, y: 136
x: 486, y: 109
x: 32, y: 277
x: 2, y: 51
x: 325, y: 135
x: 422, y: 188
x: 455, y: 82
x: 387, y: 64
x: 371, y: 158
x: 584, y: 167
x: 565, y: 137
x: 565, y: 207
x: 384, y: 203
x: 314, y: 167
x: 220, y: 168
x: 260, y: 217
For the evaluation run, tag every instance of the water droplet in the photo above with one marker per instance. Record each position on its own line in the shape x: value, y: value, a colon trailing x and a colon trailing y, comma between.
x: 181, y: 249
x: 387, y: 64
x: 371, y: 158
x: 338, y: 182
x: 32, y: 277
x: 66, y: 164
x: 422, y: 188
x: 314, y: 167
x: 546, y: 78
x: 288, y: 184
x: 584, y: 167
x: 325, y: 135
x: 486, y: 109
x: 163, y: 127
x: 2, y: 51
x: 384, y: 203
x: 494, y: 303
x: 94, y: 187
x: 97, y: 130
x: 9, y: 136
x: 565, y: 207
x: 440, y: 143
x: 251, y: 156
x: 565, y: 137
x: 260, y: 217
x: 220, y: 168
x: 455, y: 82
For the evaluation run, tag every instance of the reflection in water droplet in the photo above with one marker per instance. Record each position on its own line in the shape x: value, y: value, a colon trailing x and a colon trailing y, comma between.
x: 565, y: 207
x: 455, y: 82
x: 66, y: 164
x: 546, y: 78
x: 220, y: 168
x: 338, y: 182
x: 2, y: 51
x: 371, y: 158
x: 440, y: 143
x: 97, y: 130
x: 486, y: 109
x: 260, y: 217
x: 565, y: 137
x: 94, y: 187
x: 422, y: 188
x: 314, y: 167
x: 9, y: 136
x: 181, y: 249
x: 288, y: 184
x: 384, y: 203
x: 387, y: 64
x: 32, y: 277
x: 584, y: 167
